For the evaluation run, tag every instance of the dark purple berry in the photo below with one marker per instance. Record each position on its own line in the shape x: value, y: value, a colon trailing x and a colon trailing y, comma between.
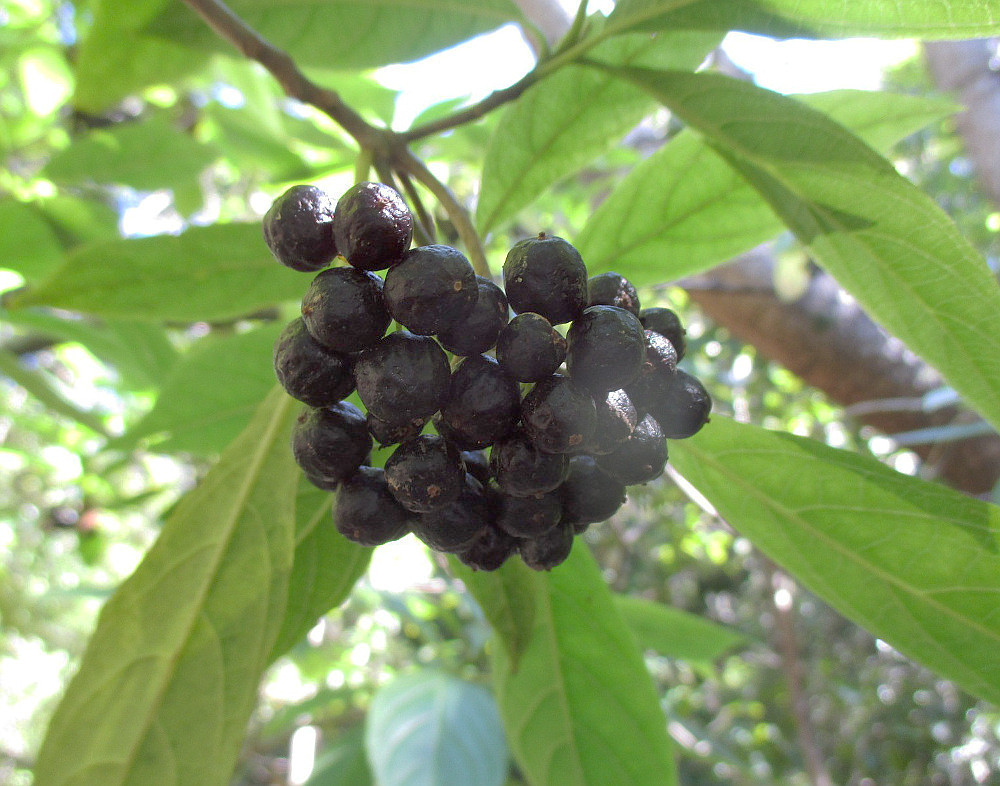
x: 298, y: 228
x: 548, y: 550
x: 483, y: 403
x: 558, y: 415
x: 344, y: 309
x: 546, y: 275
x: 366, y: 512
x: 403, y: 377
x: 530, y: 349
x: 307, y: 370
x: 373, y: 226
x: 617, y: 418
x: 641, y: 458
x: 667, y: 324
x: 606, y: 349
x: 330, y: 443
x: 457, y: 525
x: 425, y: 473
x: 490, y: 550
x: 589, y: 494
x: 388, y: 432
x: 611, y: 289
x: 434, y: 288
x: 521, y: 469
x: 477, y: 464
x: 479, y: 330
x: 527, y: 517
x: 681, y: 406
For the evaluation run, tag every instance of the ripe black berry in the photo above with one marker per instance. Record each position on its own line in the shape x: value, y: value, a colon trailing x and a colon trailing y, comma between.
x: 483, y: 403
x: 366, y: 512
x: 641, y: 458
x: 298, y: 228
x: 330, y: 443
x: 372, y: 226
x: 433, y: 288
x: 527, y: 517
x: 490, y: 550
x: 456, y: 525
x: 344, y: 309
x: 617, y: 418
x: 611, y: 289
x: 589, y: 494
x: 682, y: 405
x: 667, y: 324
x: 403, y: 377
x: 307, y: 370
x: 521, y: 469
x: 479, y: 330
x: 558, y: 415
x: 658, y: 367
x: 389, y: 432
x: 425, y: 473
x: 530, y: 349
x: 606, y: 348
x: 548, y: 550
x: 546, y: 275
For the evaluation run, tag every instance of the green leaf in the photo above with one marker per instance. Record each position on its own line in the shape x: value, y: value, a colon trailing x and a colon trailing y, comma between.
x: 116, y: 60
x: 140, y: 352
x: 813, y: 18
x: 207, y: 273
x: 344, y: 33
x: 675, y: 633
x: 146, y: 156
x: 326, y: 567
x: 684, y: 209
x: 169, y: 679
x: 578, y: 705
x: 28, y: 243
x: 431, y: 729
x: 344, y: 762
x: 915, y: 563
x: 884, y: 240
x: 570, y: 118
x: 210, y: 394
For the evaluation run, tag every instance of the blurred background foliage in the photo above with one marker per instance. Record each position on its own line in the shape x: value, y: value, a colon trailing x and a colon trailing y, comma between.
x: 105, y: 423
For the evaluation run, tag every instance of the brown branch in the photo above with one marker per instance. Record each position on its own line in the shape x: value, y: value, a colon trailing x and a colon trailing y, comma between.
x: 281, y: 66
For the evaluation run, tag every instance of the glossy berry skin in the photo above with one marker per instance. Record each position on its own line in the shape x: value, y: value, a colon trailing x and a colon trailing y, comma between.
x: 433, y: 288
x: 403, y: 377
x: 344, y: 309
x: 490, y: 550
x: 617, y: 418
x: 606, y: 349
x: 527, y: 517
x: 589, y: 494
x: 330, y: 443
x: 546, y: 275
x: 365, y: 511
x: 549, y: 550
x: 308, y: 371
x: 372, y: 226
x: 521, y: 469
x: 454, y: 527
x: 667, y: 324
x: 298, y: 228
x: 425, y: 473
x: 483, y: 403
x: 658, y: 366
x: 529, y: 348
x: 611, y: 289
x: 682, y: 405
x: 641, y: 458
x: 558, y: 415
x: 479, y: 330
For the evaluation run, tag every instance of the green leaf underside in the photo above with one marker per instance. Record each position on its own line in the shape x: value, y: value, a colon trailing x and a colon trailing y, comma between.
x: 210, y: 394
x: 183, y: 642
x: 570, y: 118
x: 431, y: 729
x: 885, y: 241
x: 206, y: 273
x: 684, y: 209
x: 674, y: 633
x: 326, y: 566
x: 814, y: 18
x: 28, y: 244
x: 578, y: 705
x: 916, y: 564
x: 146, y: 156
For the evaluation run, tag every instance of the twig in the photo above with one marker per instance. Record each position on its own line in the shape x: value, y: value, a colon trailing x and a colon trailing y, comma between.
x: 423, y: 214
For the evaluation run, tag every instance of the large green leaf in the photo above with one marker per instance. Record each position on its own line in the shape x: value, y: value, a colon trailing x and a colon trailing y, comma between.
x: 326, y: 566
x: 430, y: 729
x: 674, y: 633
x: 571, y: 117
x: 684, y: 209
x: 146, y: 156
x: 169, y: 679
x: 915, y: 563
x: 343, y: 762
x: 578, y: 706
x: 206, y: 273
x: 210, y: 394
x: 883, y: 239
x: 344, y: 33
x: 814, y: 18
x: 27, y: 244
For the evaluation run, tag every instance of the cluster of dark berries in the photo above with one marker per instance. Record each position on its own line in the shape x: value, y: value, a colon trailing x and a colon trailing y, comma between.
x: 502, y: 472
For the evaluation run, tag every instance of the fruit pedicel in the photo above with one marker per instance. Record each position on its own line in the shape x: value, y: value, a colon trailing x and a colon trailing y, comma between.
x: 530, y: 444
